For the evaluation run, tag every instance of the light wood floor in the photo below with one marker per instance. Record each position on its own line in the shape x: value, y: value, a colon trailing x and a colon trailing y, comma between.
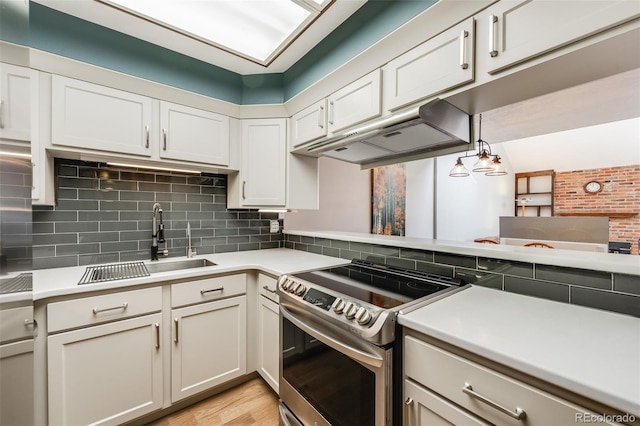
x: 251, y: 403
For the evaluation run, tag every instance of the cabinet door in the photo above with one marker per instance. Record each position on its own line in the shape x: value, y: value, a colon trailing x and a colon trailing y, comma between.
x: 309, y: 124
x: 106, y: 374
x: 15, y: 103
x: 90, y: 116
x: 357, y: 102
x: 269, y: 342
x: 423, y: 407
x: 191, y: 134
x: 521, y: 29
x: 16, y: 383
x: 209, y: 345
x: 442, y: 63
x: 264, y: 144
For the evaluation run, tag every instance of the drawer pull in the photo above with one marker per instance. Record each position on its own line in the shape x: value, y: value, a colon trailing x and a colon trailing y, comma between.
x: 407, y: 406
x: 98, y: 310
x: 266, y: 287
x: 518, y: 414
x: 203, y: 292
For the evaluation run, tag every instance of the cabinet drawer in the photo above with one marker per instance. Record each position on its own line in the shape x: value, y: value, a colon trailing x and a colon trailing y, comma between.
x: 267, y: 287
x: 16, y: 323
x: 208, y: 289
x: 97, y: 309
x: 447, y: 374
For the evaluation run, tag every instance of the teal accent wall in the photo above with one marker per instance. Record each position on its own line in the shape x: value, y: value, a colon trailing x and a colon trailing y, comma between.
x: 71, y: 37
x: 14, y: 22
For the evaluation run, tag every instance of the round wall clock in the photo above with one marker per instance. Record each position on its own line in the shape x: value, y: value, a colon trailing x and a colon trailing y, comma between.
x: 592, y: 187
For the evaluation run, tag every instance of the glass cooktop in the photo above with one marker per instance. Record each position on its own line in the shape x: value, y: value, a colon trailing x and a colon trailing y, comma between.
x: 381, y: 285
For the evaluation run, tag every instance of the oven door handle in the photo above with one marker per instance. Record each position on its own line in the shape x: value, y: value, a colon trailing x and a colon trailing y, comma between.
x: 363, y: 354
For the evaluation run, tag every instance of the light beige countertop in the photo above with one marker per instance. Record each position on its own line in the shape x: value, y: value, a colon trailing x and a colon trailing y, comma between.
x: 590, y: 352
x: 64, y: 281
x: 619, y: 263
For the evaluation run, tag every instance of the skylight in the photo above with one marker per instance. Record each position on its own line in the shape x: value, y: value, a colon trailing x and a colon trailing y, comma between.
x: 255, y: 29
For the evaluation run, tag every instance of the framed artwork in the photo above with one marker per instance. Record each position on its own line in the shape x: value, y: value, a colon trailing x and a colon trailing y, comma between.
x: 388, y: 195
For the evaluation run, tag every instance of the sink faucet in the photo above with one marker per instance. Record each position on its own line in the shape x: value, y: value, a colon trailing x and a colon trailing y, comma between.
x: 157, y: 235
x: 190, y: 251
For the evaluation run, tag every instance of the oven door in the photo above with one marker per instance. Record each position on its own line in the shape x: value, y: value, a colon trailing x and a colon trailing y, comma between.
x: 330, y: 377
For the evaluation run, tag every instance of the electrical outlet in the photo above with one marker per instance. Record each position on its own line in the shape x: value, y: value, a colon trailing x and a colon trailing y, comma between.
x: 274, y: 226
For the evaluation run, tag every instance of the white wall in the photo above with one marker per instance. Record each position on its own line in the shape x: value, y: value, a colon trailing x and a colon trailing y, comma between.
x: 420, y: 198
x: 470, y: 207
x: 345, y: 201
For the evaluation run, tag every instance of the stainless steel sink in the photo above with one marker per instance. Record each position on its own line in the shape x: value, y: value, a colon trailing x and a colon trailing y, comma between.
x: 178, y: 265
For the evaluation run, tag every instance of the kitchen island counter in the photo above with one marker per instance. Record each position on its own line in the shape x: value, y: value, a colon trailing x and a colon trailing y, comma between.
x: 589, y: 352
x: 622, y: 264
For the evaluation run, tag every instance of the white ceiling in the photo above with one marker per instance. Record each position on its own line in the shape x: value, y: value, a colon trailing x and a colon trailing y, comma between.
x: 113, y: 18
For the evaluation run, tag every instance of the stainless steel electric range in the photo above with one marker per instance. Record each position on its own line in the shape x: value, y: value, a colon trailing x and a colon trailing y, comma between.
x: 339, y: 355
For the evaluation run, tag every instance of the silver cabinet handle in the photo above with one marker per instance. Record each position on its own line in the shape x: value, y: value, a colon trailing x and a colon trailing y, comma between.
x: 518, y: 414
x: 463, y: 49
x: 164, y: 139
x: 157, y: 326
x: 321, y: 117
x: 146, y: 129
x: 244, y: 187
x: 266, y: 287
x: 331, y: 112
x: 1, y: 114
x: 203, y: 292
x: 176, y: 323
x: 98, y: 310
x: 407, y: 405
x: 493, y: 52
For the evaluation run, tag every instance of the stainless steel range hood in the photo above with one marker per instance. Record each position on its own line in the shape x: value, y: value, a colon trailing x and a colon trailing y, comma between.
x: 435, y: 128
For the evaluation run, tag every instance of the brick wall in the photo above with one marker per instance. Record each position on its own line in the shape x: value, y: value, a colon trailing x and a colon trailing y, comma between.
x: 621, y: 194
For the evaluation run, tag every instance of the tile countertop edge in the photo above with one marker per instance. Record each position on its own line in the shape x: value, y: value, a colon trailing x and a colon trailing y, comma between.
x: 607, y: 262
x: 497, y: 340
x: 48, y: 283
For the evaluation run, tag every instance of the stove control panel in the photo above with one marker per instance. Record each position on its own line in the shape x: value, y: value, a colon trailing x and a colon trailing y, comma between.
x: 348, y: 309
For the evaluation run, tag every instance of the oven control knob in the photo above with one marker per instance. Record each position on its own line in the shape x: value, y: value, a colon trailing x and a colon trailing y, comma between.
x: 286, y: 284
x: 350, y: 310
x: 338, y: 306
x: 363, y: 316
x: 298, y: 289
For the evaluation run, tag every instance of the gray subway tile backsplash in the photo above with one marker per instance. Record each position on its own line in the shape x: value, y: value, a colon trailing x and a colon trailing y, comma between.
x: 569, y: 285
x: 104, y: 215
x: 581, y: 277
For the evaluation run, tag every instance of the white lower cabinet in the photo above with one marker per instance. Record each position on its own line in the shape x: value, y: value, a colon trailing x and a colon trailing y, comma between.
x: 455, y: 390
x: 268, y: 332
x: 423, y: 407
x: 16, y: 366
x: 105, y: 374
x: 208, y: 345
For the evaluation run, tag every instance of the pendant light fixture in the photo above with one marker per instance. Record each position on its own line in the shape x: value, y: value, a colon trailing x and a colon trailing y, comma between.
x: 487, y: 163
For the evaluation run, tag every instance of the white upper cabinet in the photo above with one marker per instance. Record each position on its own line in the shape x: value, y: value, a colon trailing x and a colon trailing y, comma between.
x: 86, y: 115
x: 309, y: 124
x: 15, y: 103
x: 263, y: 173
x: 439, y: 64
x: 190, y: 134
x: 521, y: 29
x: 355, y: 103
